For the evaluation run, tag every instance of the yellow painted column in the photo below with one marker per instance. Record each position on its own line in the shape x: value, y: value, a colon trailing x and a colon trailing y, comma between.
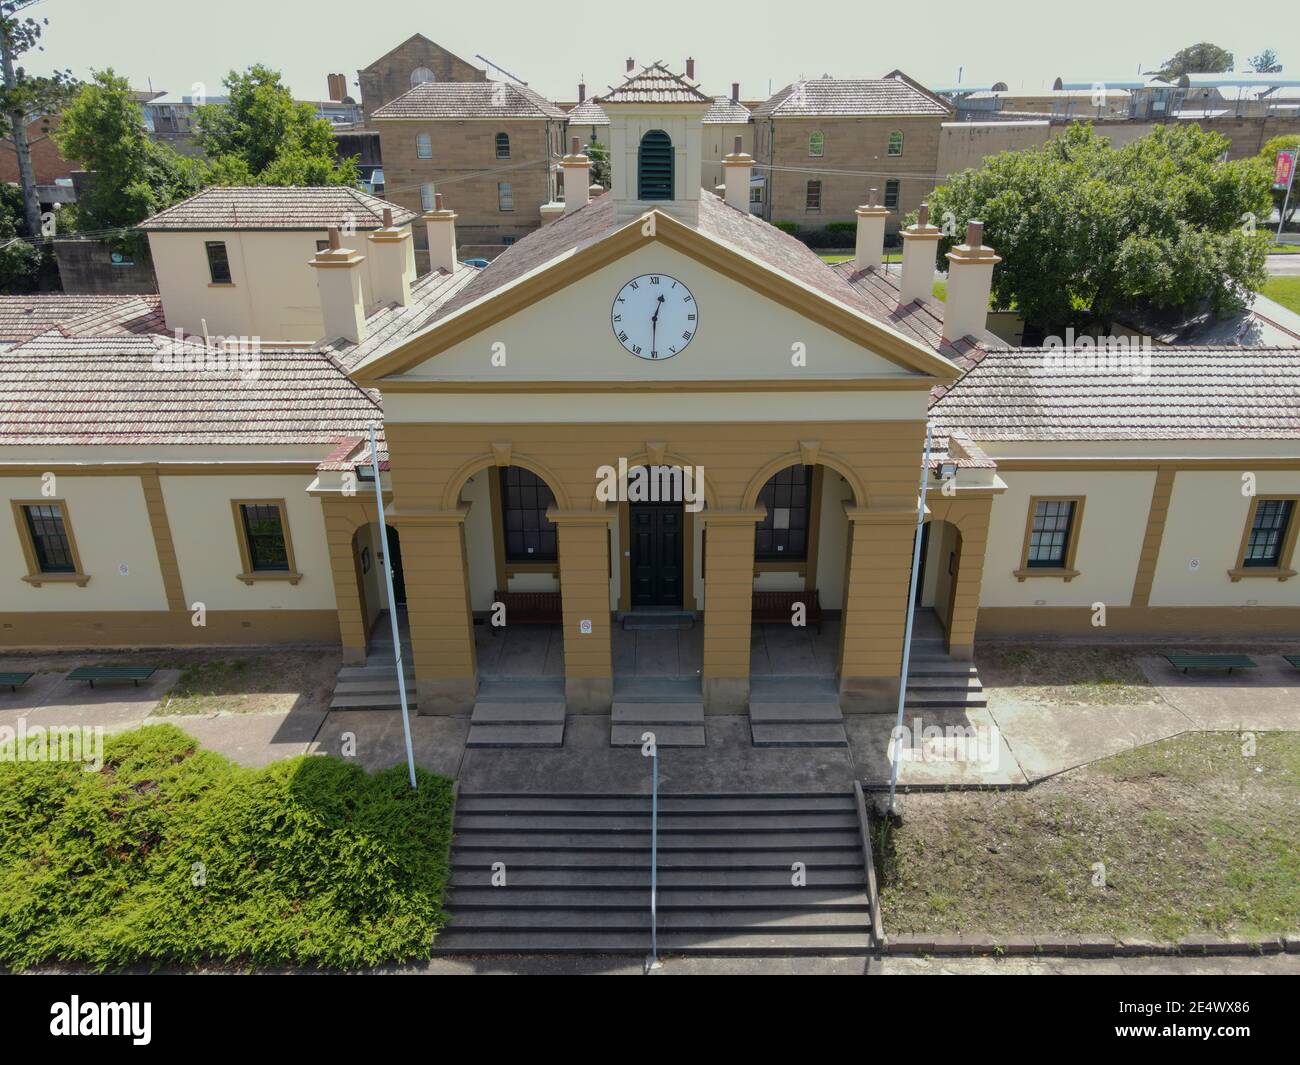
x: 584, y: 590
x: 728, y: 606
x: 876, y: 580
x: 436, y: 574
x: 971, y: 518
x: 343, y: 516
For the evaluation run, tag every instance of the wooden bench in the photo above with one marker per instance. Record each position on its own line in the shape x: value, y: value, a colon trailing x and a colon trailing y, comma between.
x: 530, y: 608
x: 777, y: 608
x: 1228, y: 662
x: 1293, y: 660
x: 135, y: 674
x: 15, y: 680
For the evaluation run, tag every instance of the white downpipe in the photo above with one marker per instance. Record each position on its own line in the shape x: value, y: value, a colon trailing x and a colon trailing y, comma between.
x: 392, y: 606
x: 911, y: 610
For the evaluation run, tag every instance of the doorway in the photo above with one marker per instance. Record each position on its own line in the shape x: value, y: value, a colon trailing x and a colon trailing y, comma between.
x: 656, y: 554
x: 395, y: 555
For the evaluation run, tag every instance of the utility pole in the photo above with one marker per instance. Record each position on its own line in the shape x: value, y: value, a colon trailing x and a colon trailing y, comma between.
x: 18, y: 121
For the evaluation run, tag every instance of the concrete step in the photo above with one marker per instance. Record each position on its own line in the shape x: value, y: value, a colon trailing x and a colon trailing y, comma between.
x: 631, y: 877
x: 939, y: 699
x: 388, y: 672
x: 797, y: 735
x: 378, y: 686
x: 657, y: 690
x: 665, y: 735
x: 372, y: 701
x: 669, y: 823
x: 520, y: 713
x: 948, y: 682
x: 806, y: 898
x: 774, y: 921
x: 782, y: 689
x: 637, y: 713
x: 625, y: 841
x: 939, y: 667
x: 546, y: 735
x: 495, y: 688
x: 795, y: 713
x: 595, y: 805
x: 847, y: 857
x: 726, y: 944
x: 637, y: 621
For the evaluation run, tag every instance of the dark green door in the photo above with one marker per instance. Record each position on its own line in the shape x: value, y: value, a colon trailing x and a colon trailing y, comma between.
x: 656, y: 554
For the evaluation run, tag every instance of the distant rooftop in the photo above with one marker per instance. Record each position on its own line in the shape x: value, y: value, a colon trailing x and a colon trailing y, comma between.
x: 468, y: 99
x: 655, y: 84
x: 894, y: 95
x: 271, y: 207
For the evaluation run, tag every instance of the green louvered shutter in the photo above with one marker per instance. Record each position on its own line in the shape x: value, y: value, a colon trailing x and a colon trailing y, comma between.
x: 654, y: 179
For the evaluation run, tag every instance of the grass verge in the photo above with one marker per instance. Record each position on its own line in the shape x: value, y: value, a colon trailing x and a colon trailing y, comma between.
x: 173, y: 854
x: 1065, y: 673
x: 1285, y: 289
x: 1190, y: 835
x: 253, y: 682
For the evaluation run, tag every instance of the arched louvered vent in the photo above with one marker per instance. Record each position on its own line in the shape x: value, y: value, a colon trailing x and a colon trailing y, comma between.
x: 654, y: 169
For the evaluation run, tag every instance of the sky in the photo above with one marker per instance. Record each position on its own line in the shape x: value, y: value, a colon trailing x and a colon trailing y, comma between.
x: 763, y: 44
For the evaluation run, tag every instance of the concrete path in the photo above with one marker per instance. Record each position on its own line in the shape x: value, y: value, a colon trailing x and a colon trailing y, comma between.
x: 52, y: 699
x: 251, y: 740
x: 943, y: 747
x: 1265, y: 698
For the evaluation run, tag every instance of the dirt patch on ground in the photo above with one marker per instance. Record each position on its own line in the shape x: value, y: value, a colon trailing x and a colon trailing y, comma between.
x: 1196, y: 834
x: 216, y: 680
x: 1063, y: 673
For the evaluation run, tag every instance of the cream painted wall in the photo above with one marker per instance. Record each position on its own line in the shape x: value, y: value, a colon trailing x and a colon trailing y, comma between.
x: 480, y: 548
x: 1206, y: 519
x: 273, y: 295
x: 110, y: 523
x: 203, y: 529
x: 740, y: 335
x: 1114, y: 523
x: 375, y: 585
x: 833, y: 540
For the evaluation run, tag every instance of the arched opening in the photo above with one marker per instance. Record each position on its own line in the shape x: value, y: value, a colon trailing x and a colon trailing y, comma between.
x: 800, y: 551
x: 420, y: 75
x: 936, y: 583
x: 369, y: 553
x: 654, y: 167
x: 503, y: 145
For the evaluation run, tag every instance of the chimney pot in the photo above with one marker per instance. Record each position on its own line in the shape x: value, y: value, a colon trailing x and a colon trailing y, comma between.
x: 575, y: 147
x: 974, y: 233
x: 871, y: 197
x: 735, y: 92
x: 437, y: 201
x: 690, y: 68
x: 739, y: 145
x: 388, y: 218
x: 630, y: 64
x: 923, y: 215
x: 334, y: 242
x: 582, y: 91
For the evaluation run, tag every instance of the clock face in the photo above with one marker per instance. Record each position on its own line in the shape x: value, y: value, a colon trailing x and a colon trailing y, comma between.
x: 654, y: 316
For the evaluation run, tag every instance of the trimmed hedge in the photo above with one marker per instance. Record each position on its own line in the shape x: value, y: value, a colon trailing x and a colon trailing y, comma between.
x: 172, y: 853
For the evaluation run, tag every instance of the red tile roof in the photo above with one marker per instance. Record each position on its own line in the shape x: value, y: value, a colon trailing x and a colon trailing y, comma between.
x: 896, y: 95
x: 27, y: 316
x: 655, y: 84
x: 468, y: 99
x: 272, y: 207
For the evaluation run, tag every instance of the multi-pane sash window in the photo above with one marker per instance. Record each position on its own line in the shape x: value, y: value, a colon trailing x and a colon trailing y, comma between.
x: 891, y: 194
x: 813, y: 196
x: 49, y: 538
x: 816, y: 143
x: 783, y: 534
x: 505, y: 196
x: 529, y: 534
x: 264, y: 532
x: 503, y: 145
x: 1049, y: 538
x: 218, y: 262
x: 896, y: 142
x: 1268, y: 532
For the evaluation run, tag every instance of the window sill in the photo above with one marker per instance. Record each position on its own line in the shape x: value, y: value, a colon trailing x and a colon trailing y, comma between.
x: 221, y: 284
x: 514, y: 569
x: 1271, y: 572
x: 269, y: 575
x: 1045, y: 571
x: 37, y: 579
x: 775, y: 565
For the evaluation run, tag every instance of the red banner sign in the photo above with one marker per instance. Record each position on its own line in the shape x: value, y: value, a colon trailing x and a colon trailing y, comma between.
x: 1284, y: 169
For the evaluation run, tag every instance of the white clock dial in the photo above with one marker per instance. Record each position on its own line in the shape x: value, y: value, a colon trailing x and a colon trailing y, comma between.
x: 654, y: 316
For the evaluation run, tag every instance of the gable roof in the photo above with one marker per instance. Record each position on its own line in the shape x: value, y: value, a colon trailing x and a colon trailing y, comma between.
x: 734, y: 243
x: 725, y: 109
x: 116, y: 390
x: 655, y: 84
x: 1192, y: 393
x: 27, y: 316
x: 403, y: 44
x: 893, y: 95
x: 468, y: 99
x: 273, y: 207
x: 588, y: 113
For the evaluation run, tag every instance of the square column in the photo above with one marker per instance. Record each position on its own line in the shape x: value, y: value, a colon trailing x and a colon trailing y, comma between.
x: 876, y: 579
x: 343, y: 516
x: 584, y: 591
x: 436, y: 574
x: 728, y: 606
x: 969, y: 515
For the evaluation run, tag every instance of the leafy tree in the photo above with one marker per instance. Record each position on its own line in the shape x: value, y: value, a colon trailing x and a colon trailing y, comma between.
x: 1266, y: 62
x: 599, y: 156
x: 1268, y: 156
x: 20, y: 261
x: 135, y: 176
x: 23, y: 97
x: 1086, y: 230
x: 263, y: 136
x: 1203, y: 58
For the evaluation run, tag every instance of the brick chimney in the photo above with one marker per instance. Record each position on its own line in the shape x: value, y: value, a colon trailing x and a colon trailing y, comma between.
x: 440, y: 224
x: 338, y: 86
x: 576, y: 168
x: 582, y: 92
x: 918, y: 258
x: 690, y: 68
x: 735, y: 92
x: 871, y: 234
x: 737, y: 168
x: 338, y: 280
x: 970, y: 279
x: 390, y: 262
x: 630, y: 64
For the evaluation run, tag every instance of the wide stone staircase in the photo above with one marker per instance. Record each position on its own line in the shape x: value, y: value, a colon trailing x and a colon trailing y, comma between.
x: 576, y: 872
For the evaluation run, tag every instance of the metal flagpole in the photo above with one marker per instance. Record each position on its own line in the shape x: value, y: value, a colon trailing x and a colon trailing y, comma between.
x: 652, y: 962
x: 911, y: 609
x: 392, y: 606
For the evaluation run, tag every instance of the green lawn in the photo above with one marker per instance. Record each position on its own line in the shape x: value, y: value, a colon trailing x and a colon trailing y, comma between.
x: 1193, y: 835
x: 843, y: 257
x: 1285, y: 289
x: 172, y: 853
x: 1284, y: 249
